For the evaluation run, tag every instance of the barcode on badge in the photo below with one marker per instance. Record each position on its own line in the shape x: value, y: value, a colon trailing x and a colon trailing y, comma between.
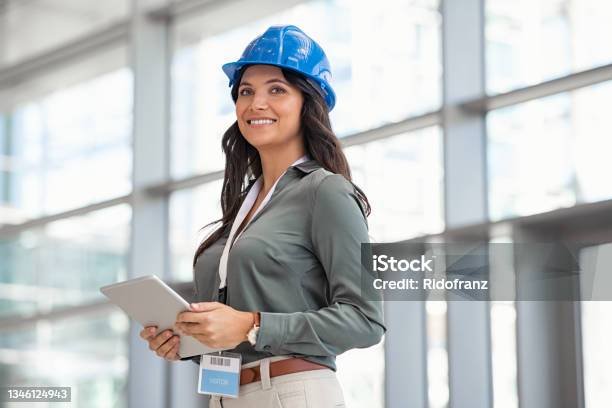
x: 220, y: 361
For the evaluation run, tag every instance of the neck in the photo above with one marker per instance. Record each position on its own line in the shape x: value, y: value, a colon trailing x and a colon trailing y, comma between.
x: 274, y: 163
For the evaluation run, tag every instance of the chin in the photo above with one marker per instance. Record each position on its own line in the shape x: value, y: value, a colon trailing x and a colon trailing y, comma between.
x: 258, y: 141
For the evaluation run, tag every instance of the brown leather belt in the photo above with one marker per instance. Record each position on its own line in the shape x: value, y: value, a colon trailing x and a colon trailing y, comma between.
x: 281, y: 367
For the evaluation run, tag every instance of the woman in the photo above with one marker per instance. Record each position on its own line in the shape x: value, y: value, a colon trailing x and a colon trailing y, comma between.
x: 282, y: 274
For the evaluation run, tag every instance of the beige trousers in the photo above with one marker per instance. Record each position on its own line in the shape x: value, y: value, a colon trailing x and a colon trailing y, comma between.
x: 307, y: 389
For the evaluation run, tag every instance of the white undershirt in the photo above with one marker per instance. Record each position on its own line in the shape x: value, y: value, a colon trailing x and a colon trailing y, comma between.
x: 246, y: 206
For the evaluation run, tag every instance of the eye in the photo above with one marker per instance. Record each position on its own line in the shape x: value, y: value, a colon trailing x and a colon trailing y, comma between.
x: 277, y: 90
x: 243, y: 90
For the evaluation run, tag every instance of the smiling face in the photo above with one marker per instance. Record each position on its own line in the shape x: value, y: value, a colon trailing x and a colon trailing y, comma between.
x: 268, y: 108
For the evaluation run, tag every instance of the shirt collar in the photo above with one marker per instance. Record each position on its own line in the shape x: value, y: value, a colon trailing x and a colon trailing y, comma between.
x: 305, y: 164
x: 301, y: 160
x: 308, y: 166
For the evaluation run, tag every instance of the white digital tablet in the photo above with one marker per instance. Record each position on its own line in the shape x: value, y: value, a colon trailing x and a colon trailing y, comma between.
x: 151, y: 302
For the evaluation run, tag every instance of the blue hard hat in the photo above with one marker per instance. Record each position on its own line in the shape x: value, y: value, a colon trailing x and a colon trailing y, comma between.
x: 287, y: 47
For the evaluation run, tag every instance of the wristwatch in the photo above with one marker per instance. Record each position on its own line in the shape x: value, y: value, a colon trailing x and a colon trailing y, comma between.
x: 252, y: 334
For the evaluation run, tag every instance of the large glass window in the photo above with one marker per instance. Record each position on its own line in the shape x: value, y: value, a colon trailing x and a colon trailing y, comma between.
x: 503, y: 321
x: 70, y: 147
x: 503, y: 354
x: 402, y: 177
x: 27, y: 25
x: 87, y: 353
x: 569, y: 132
x: 62, y: 266
x: 64, y: 263
x: 380, y: 76
x: 190, y: 210
x: 437, y: 354
x: 4, y: 167
x: 361, y: 373
x: 597, y: 327
x: 532, y: 41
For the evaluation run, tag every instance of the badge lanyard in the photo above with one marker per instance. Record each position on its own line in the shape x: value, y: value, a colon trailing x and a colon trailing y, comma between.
x: 246, y: 206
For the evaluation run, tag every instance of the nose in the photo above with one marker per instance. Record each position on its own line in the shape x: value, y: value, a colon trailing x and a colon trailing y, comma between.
x: 259, y: 101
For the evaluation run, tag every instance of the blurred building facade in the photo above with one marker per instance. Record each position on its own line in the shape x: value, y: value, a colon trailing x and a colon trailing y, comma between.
x: 460, y: 118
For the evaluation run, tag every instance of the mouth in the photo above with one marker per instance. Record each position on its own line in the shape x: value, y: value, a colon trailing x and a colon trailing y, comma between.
x: 260, y: 122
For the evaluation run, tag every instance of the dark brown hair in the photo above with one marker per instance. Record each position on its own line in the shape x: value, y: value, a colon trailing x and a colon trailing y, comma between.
x: 242, y: 162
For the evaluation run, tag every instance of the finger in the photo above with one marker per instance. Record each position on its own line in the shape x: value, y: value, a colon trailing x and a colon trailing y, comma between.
x: 188, y: 317
x: 160, y: 339
x: 166, y: 349
x: 172, y: 354
x: 167, y: 346
x: 205, y: 306
x: 148, y: 332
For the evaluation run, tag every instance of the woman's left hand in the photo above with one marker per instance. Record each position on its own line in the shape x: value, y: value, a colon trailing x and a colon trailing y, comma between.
x: 215, y: 324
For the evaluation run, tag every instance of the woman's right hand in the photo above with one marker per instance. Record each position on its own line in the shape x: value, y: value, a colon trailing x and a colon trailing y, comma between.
x: 165, y: 344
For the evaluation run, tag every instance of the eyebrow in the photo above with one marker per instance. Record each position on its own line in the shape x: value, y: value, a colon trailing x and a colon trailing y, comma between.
x: 267, y: 82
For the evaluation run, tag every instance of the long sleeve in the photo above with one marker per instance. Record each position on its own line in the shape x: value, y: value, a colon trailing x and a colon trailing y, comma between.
x: 194, y: 359
x: 354, y: 316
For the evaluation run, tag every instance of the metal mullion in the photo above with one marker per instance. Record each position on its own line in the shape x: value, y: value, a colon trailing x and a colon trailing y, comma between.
x: 393, y: 129
x: 587, y: 215
x: 8, y: 231
x: 187, y: 8
x: 65, y: 54
x: 175, y: 10
x: 149, y: 379
x: 555, y: 86
x: 7, y: 148
x: 465, y: 158
x: 21, y: 322
x: 186, y: 183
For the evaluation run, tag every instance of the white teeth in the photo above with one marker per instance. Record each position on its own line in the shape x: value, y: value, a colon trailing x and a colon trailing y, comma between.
x: 262, y: 122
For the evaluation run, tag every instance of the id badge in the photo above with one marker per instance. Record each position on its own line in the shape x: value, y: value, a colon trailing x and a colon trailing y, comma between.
x: 220, y: 374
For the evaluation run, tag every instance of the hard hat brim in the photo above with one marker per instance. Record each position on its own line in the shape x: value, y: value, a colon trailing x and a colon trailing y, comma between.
x: 231, y: 69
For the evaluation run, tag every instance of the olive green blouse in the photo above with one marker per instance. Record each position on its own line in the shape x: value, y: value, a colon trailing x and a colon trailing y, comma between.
x: 298, y: 262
